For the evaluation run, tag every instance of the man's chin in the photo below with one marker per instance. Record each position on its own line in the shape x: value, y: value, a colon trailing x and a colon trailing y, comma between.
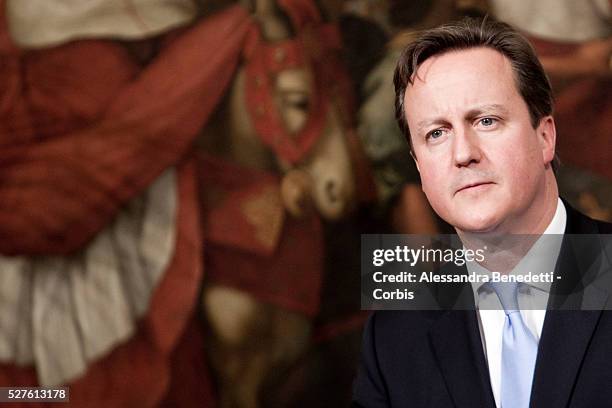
x: 477, y: 222
x: 482, y: 213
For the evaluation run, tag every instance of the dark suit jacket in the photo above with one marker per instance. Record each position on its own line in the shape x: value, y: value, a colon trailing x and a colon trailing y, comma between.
x: 436, y: 358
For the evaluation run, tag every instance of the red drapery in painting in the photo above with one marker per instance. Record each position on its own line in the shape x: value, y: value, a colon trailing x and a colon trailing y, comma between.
x: 83, y: 130
x: 102, y: 131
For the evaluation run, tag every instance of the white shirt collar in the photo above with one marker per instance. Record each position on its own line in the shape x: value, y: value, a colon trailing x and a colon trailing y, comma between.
x: 559, y: 221
x: 550, y: 246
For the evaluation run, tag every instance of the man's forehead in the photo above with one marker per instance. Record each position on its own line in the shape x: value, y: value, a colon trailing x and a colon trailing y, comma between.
x: 470, y: 77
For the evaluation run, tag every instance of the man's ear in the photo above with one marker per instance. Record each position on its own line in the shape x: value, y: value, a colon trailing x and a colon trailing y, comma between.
x: 547, y: 137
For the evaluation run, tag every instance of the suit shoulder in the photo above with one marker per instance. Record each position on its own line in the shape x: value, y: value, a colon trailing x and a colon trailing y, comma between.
x: 579, y: 223
x: 604, y: 227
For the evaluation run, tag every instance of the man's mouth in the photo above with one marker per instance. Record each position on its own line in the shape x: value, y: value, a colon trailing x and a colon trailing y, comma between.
x: 473, y: 187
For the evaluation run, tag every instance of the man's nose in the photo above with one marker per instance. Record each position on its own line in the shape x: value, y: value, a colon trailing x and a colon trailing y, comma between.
x: 466, y: 147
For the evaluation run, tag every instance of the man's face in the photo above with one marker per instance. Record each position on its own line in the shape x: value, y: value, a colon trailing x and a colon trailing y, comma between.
x: 483, y: 167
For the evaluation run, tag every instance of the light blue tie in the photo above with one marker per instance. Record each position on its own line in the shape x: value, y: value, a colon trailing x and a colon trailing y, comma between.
x: 519, y: 350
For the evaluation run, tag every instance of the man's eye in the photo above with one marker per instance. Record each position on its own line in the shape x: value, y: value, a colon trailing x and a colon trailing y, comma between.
x: 435, y: 134
x: 487, y: 122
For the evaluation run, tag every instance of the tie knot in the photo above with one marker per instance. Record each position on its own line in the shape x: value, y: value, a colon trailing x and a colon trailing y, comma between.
x: 507, y: 292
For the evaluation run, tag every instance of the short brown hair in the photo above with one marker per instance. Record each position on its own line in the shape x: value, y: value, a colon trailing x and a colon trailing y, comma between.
x: 530, y: 78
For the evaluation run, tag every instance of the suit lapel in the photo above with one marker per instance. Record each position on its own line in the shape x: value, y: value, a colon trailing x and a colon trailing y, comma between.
x: 566, y: 333
x: 458, y: 349
x: 457, y: 345
x: 564, y: 341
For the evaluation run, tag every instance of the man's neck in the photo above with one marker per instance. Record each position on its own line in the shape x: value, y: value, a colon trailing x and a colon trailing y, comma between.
x: 505, y: 250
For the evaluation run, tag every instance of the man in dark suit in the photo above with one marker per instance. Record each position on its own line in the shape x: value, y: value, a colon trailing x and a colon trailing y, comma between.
x: 476, y: 107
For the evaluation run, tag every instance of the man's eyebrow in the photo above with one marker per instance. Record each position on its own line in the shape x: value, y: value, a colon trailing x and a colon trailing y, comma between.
x: 431, y: 121
x: 490, y: 108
